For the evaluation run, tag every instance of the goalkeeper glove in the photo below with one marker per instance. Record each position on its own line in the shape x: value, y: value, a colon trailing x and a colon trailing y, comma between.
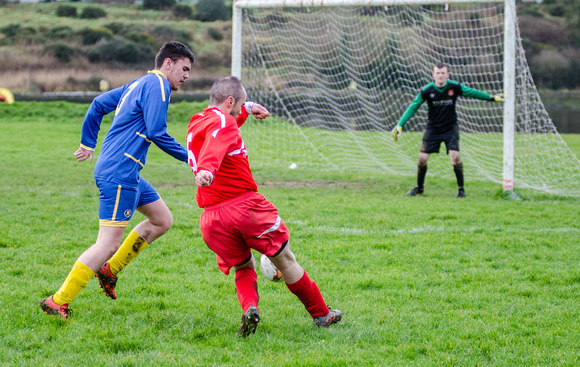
x: 498, y: 98
x: 396, y: 132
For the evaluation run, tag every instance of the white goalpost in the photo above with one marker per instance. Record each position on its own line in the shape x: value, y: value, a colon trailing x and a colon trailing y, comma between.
x: 338, y: 74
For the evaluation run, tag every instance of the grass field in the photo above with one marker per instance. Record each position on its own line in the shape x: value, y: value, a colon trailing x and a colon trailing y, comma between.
x: 430, y: 280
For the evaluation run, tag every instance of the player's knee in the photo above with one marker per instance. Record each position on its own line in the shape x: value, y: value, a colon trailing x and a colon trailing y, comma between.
x: 284, y: 259
x: 423, y: 158
x: 251, y: 264
x: 164, y: 223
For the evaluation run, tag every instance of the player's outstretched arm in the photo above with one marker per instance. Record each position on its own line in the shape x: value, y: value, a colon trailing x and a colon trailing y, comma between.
x: 260, y: 112
x: 81, y: 154
x: 498, y: 98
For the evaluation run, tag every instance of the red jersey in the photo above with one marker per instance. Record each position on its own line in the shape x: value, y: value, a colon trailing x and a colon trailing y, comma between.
x: 214, y: 144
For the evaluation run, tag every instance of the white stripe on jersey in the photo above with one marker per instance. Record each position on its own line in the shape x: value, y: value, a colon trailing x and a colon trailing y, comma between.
x: 238, y: 151
x: 190, y: 157
x: 273, y: 228
x: 222, y: 119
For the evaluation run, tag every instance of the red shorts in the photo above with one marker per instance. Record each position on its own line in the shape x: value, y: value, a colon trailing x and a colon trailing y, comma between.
x: 249, y: 221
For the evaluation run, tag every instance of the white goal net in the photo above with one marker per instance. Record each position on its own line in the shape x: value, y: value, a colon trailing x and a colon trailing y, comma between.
x: 337, y: 80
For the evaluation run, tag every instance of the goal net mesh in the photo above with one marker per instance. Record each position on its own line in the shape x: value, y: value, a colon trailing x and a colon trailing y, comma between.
x: 337, y: 80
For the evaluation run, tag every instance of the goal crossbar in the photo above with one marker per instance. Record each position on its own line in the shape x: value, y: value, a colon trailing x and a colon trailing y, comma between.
x: 329, y: 3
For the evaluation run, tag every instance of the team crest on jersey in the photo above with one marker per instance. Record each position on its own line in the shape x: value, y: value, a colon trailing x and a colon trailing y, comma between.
x: 432, y: 95
x: 450, y: 92
x: 127, y: 213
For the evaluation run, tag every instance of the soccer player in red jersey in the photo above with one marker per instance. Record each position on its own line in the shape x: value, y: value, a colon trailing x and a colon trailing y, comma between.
x: 236, y: 217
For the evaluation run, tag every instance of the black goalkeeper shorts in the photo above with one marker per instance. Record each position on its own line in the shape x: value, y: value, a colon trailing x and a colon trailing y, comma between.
x: 432, y: 140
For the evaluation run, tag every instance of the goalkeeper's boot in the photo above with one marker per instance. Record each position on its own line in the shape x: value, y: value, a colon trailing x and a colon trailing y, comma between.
x: 415, y: 191
x: 333, y: 317
x: 250, y: 320
x: 52, y: 308
x: 107, y: 281
x: 460, y: 193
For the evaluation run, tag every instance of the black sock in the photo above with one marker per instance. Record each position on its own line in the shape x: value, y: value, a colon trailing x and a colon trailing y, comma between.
x: 421, y: 172
x: 458, y: 168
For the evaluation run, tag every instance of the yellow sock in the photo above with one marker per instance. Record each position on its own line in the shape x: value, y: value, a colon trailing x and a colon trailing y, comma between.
x: 76, y: 280
x: 129, y: 250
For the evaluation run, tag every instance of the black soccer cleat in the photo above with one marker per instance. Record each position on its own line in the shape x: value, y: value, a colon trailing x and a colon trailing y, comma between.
x: 460, y: 193
x: 333, y: 317
x: 250, y: 320
x: 415, y: 191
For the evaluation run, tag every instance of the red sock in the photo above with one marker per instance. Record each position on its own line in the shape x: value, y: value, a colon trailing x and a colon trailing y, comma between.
x: 247, y: 288
x: 308, y: 293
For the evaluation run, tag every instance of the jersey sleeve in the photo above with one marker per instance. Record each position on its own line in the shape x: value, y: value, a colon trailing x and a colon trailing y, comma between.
x: 242, y: 116
x: 218, y: 141
x: 411, y: 110
x: 474, y: 93
x: 101, y: 106
x: 155, y: 105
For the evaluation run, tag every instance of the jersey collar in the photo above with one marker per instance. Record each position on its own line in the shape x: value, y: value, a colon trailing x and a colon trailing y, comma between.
x: 442, y: 88
x: 156, y: 72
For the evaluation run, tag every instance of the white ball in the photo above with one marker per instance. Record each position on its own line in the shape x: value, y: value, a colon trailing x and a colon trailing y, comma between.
x: 293, y: 166
x: 269, y: 270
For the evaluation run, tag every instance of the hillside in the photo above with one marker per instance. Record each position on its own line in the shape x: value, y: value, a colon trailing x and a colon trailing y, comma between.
x: 43, y: 52
x: 46, y: 48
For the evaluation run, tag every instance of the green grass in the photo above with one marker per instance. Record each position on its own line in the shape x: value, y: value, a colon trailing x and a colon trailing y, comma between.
x: 429, y: 280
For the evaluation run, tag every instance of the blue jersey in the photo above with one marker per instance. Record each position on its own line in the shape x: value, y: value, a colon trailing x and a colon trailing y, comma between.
x: 140, y: 119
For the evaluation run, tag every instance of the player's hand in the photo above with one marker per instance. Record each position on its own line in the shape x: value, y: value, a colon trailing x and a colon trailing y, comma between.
x: 260, y: 112
x: 203, y: 178
x: 397, y: 132
x: 498, y: 98
x: 81, y: 154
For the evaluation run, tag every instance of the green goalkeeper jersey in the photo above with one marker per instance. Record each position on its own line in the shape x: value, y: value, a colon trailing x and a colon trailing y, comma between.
x: 441, y: 103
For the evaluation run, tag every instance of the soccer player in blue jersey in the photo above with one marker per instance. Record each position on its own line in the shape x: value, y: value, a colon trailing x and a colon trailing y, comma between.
x: 442, y: 126
x: 140, y: 120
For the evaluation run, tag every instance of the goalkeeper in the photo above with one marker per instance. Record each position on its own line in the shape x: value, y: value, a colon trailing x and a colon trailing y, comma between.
x: 442, y: 126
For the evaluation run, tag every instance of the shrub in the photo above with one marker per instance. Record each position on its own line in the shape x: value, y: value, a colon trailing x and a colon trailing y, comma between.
x: 182, y: 11
x: 61, y: 51
x: 275, y: 20
x: 115, y: 27
x: 556, y: 10
x: 158, y: 4
x: 11, y: 30
x: 212, y: 10
x: 91, y: 12
x: 183, y: 36
x: 59, y: 32
x: 542, y: 30
x: 550, y: 69
x: 163, y: 33
x: 166, y: 33
x: 140, y: 38
x: 215, y: 34
x: 90, y: 36
x: 121, y: 51
x: 66, y: 11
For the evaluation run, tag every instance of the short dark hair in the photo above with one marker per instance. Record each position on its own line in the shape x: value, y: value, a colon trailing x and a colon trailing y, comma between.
x: 441, y: 65
x: 173, y: 50
x: 224, y: 87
